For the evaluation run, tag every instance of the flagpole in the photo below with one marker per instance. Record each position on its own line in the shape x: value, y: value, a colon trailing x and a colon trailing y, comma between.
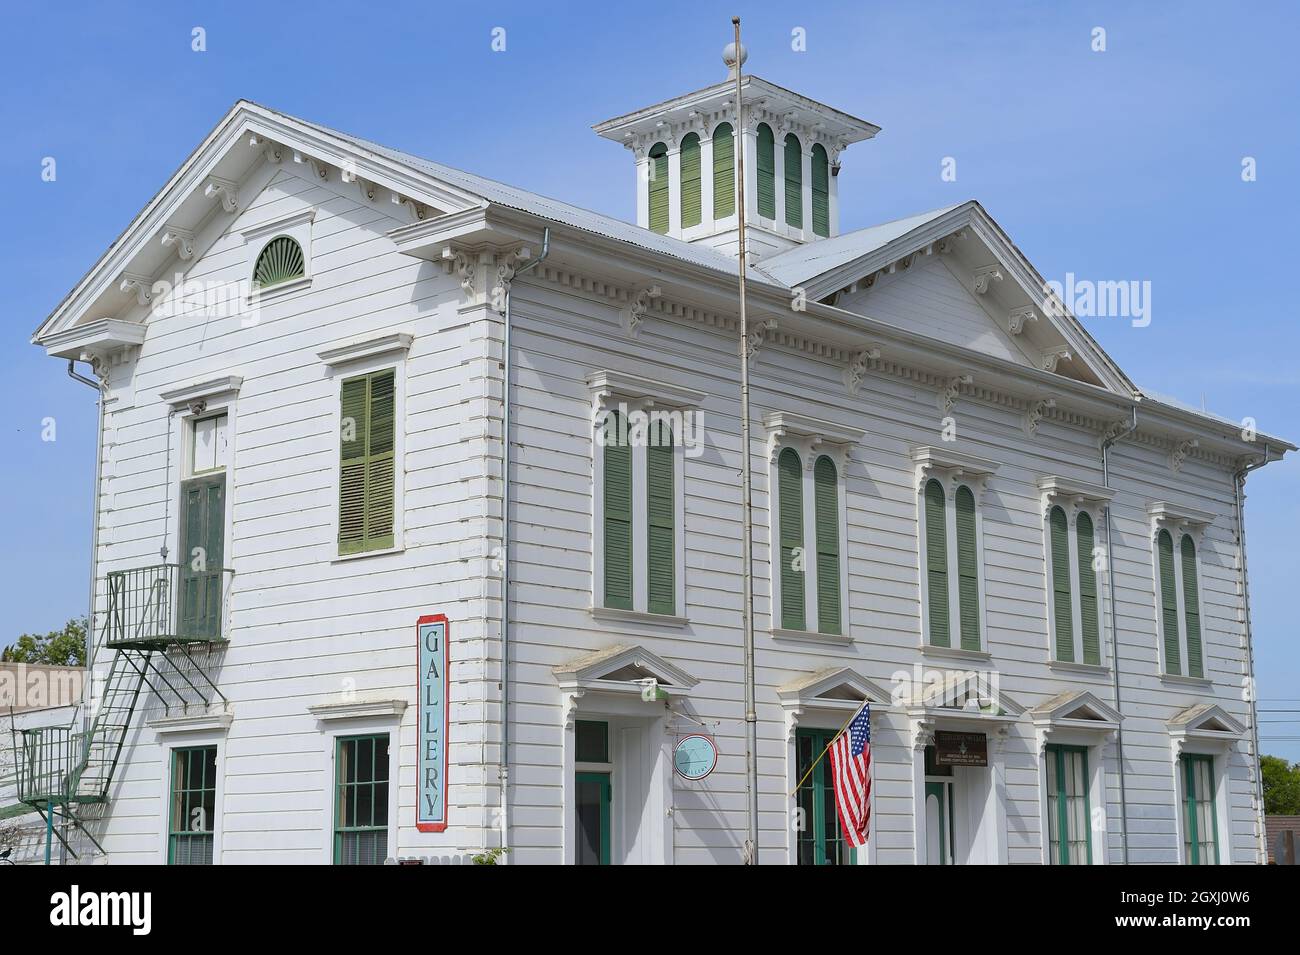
x: 747, y: 555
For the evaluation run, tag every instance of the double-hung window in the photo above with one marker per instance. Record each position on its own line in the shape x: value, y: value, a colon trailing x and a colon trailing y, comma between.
x: 1068, y: 814
x: 1176, y: 539
x: 1073, y: 512
x: 1200, y: 818
x: 643, y: 434
x: 192, y: 814
x: 949, y: 489
x: 361, y: 775
x: 809, y: 526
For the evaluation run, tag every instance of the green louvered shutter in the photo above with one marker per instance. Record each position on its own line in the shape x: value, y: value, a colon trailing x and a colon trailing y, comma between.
x: 724, y: 172
x: 1168, y: 602
x: 618, y: 517
x: 968, y: 570
x: 1088, y: 617
x: 936, y: 563
x: 790, y: 489
x: 367, y: 476
x: 659, y: 511
x: 1062, y: 611
x: 766, y: 172
x: 821, y: 191
x: 827, y: 510
x: 793, y: 182
x: 690, y: 180
x: 659, y: 188
x: 1191, y: 609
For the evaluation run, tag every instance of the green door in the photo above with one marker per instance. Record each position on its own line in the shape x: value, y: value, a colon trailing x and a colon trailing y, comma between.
x: 818, y: 839
x: 938, y: 805
x: 593, y: 794
x: 202, y: 555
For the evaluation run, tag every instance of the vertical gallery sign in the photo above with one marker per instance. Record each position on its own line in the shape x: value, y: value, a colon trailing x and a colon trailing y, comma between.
x: 433, y: 635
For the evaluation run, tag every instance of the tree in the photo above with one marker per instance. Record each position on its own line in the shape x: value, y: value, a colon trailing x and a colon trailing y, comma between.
x: 66, y: 647
x: 1281, y: 786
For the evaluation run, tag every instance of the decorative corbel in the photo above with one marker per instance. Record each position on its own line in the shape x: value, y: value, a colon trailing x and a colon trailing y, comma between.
x: 636, y: 308
x: 224, y: 189
x: 792, y: 723
x: 418, y: 209
x: 952, y: 390
x: 571, y: 698
x: 181, y: 239
x: 1181, y: 451
x: 1017, y: 318
x: 368, y: 189
x: 273, y: 151
x: 505, y: 274
x: 1054, y: 356
x: 985, y: 275
x: 856, y: 369
x: 1035, y: 414
x: 1114, y: 430
x: 922, y: 732
x: 141, y: 285
x: 757, y: 337
x: 464, y: 267
x: 949, y: 242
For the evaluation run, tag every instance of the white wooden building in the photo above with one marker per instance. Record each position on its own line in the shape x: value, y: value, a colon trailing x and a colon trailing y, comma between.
x: 965, y: 513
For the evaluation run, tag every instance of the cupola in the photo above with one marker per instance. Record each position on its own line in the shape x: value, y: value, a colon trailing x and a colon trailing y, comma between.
x: 686, y: 148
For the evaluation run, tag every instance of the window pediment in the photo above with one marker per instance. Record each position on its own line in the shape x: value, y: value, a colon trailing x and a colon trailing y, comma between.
x: 1073, y: 496
x: 1078, y: 711
x: 1177, y: 517
x: 625, y: 668
x: 1204, y: 727
x: 952, y: 468
x: 610, y: 388
x: 811, y: 437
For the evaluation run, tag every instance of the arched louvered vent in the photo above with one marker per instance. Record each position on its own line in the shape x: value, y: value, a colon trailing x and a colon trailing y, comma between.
x: 281, y: 261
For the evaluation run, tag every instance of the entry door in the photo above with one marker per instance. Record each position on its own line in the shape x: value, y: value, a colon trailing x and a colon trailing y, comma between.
x: 202, y: 555
x: 938, y: 822
x: 593, y: 802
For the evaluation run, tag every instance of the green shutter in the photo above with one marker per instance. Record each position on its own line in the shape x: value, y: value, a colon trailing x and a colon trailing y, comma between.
x: 1062, y: 609
x: 793, y: 182
x: 690, y: 180
x: 724, y: 172
x: 659, y: 188
x: 1168, y: 602
x: 936, y: 563
x: 821, y: 195
x: 1191, y: 609
x: 968, y: 570
x: 1089, y: 622
x: 367, y: 476
x: 659, y: 509
x: 618, y: 517
x: 766, y: 172
x: 826, y: 499
x: 790, y: 489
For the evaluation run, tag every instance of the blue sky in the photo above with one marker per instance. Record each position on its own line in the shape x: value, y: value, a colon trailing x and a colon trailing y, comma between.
x: 1122, y: 165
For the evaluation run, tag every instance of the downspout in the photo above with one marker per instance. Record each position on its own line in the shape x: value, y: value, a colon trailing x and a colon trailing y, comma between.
x: 1114, y: 631
x: 1239, y: 500
x: 94, y: 528
x: 506, y: 365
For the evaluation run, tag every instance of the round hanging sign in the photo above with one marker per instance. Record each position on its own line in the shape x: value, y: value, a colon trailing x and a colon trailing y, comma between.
x: 695, y: 757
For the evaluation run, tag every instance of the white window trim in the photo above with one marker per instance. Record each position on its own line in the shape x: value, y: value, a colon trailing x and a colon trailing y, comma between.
x: 609, y: 390
x: 1198, y: 736
x: 952, y: 471
x: 297, y: 226
x: 359, y: 719
x: 811, y: 439
x: 1180, y: 522
x: 184, y: 733
x: 1074, y: 498
x: 350, y: 360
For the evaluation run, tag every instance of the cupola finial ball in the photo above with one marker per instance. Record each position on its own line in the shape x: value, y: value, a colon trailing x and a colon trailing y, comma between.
x: 729, y: 56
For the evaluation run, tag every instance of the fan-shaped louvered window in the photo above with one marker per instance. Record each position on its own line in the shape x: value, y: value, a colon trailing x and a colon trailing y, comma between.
x: 659, y: 188
x: 826, y: 493
x: 724, y: 171
x: 790, y: 489
x: 793, y: 181
x: 280, y: 261
x: 766, y: 172
x: 821, y: 191
x: 691, y: 185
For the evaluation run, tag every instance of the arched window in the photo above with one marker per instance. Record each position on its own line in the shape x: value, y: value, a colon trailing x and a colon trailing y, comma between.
x: 618, y: 514
x: 936, y: 563
x: 690, y: 180
x: 661, y: 591
x: 281, y: 260
x: 1062, y: 605
x: 1191, y: 609
x: 826, y: 498
x: 790, y: 488
x: 659, y: 188
x: 1089, y: 621
x: 968, y: 570
x: 821, y: 191
x: 724, y: 171
x: 793, y: 181
x: 1168, y: 602
x: 766, y: 172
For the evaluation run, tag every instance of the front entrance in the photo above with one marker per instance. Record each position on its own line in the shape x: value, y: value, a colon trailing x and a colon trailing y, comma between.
x: 819, y: 839
x: 939, y: 828
x: 202, y: 555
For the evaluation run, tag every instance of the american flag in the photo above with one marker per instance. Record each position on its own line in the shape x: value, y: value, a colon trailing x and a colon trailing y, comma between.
x: 851, y: 772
